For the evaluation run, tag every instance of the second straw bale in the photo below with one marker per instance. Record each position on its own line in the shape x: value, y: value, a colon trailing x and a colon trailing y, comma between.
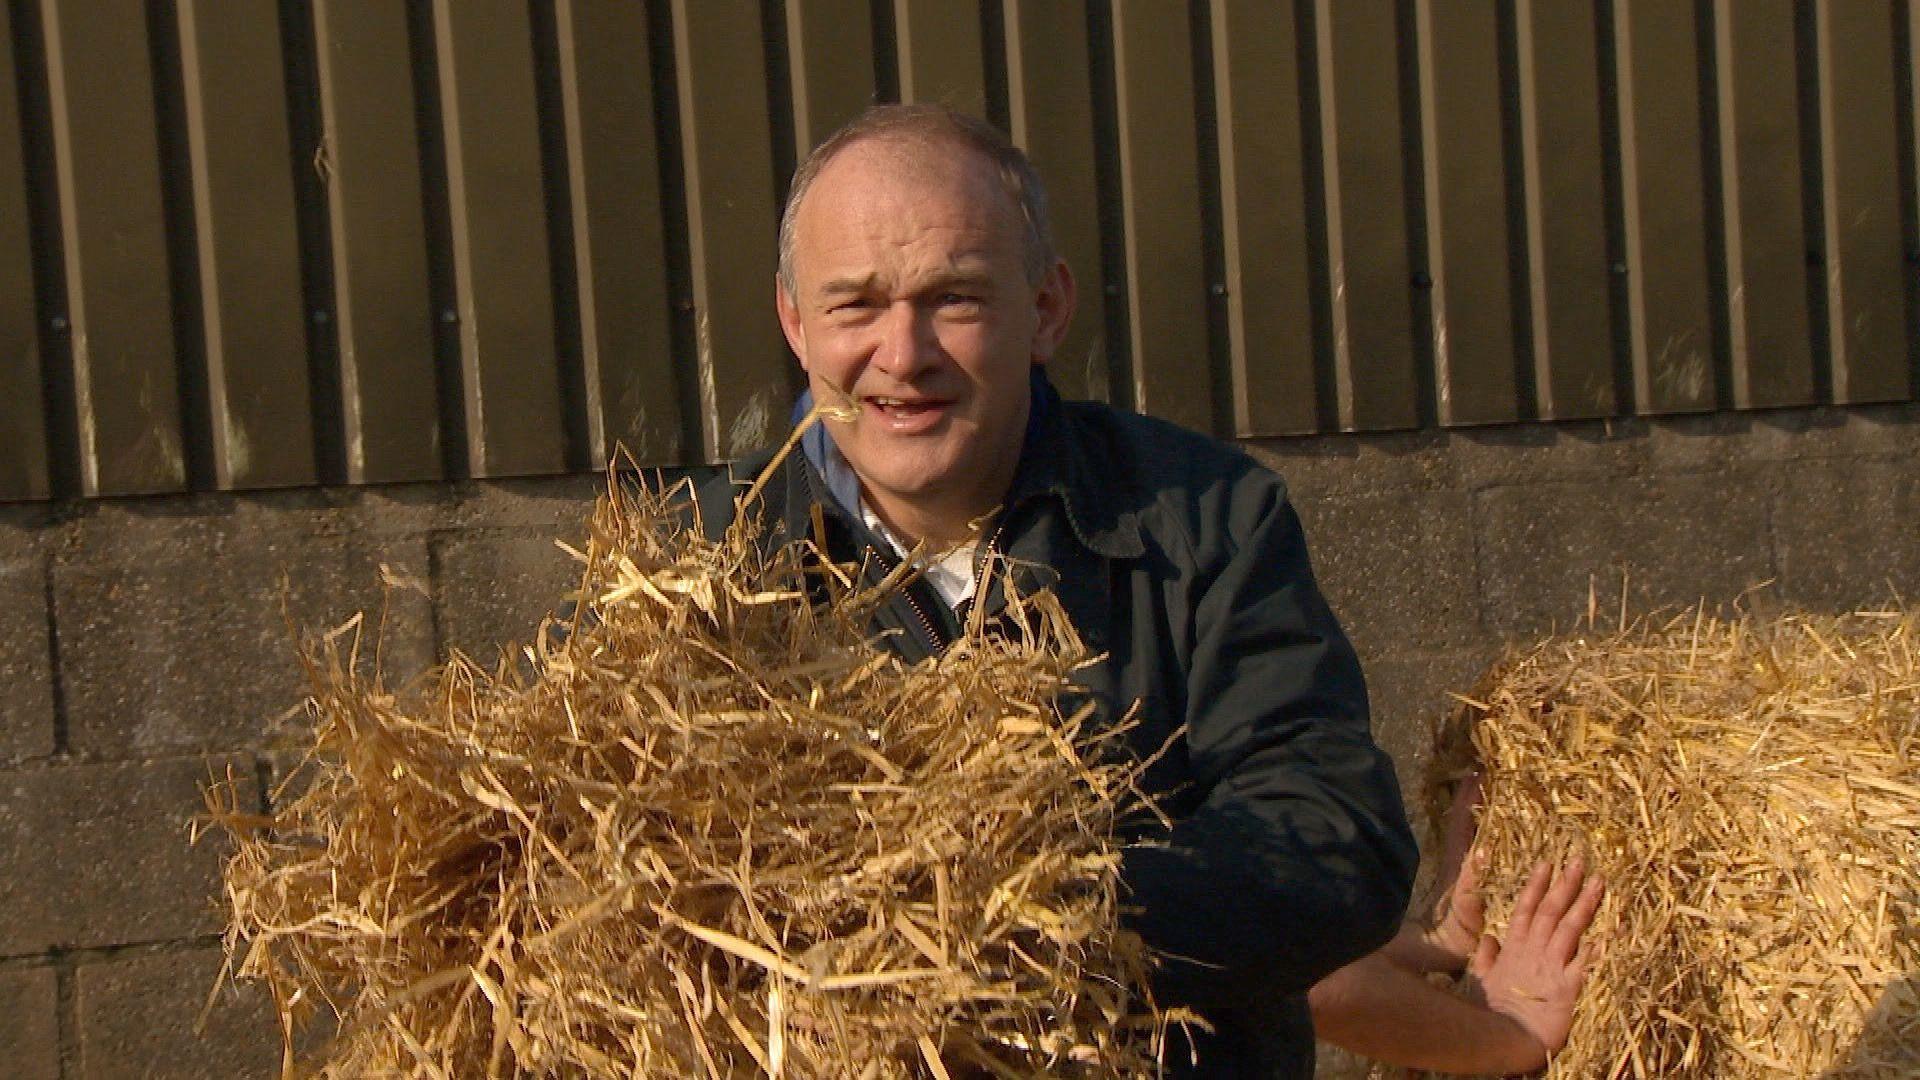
x: 1750, y: 789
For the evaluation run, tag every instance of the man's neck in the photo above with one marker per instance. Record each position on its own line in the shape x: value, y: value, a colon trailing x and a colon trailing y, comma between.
x: 940, y: 528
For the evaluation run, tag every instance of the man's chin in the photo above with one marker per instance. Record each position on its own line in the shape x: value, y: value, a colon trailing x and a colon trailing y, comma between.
x: 904, y: 478
x: 910, y: 487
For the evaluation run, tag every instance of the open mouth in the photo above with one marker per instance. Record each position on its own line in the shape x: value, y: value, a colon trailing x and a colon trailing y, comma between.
x: 906, y: 415
x: 903, y: 407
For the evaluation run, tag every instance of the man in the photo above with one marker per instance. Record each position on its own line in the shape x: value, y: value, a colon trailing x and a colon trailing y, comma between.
x: 920, y: 292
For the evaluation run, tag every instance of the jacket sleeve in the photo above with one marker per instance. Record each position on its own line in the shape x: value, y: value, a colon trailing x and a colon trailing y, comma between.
x: 1298, y: 858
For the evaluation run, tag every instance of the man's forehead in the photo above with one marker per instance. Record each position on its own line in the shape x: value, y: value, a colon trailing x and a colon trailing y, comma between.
x: 938, y: 207
x: 891, y: 169
x: 893, y: 153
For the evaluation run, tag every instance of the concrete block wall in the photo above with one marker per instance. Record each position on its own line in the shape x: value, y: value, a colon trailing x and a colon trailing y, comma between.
x: 1443, y: 549
x: 146, y: 646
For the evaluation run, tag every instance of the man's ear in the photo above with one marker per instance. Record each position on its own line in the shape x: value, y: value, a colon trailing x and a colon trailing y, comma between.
x: 1053, y: 302
x: 790, y: 321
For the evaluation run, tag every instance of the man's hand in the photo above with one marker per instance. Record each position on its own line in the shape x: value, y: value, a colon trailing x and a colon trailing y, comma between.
x: 1535, y: 977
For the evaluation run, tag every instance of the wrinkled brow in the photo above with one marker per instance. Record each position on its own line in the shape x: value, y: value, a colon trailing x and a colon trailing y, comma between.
x: 961, y: 275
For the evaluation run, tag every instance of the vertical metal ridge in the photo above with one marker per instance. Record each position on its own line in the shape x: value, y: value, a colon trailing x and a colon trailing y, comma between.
x: 1519, y: 253
x: 744, y: 376
x: 371, y: 157
x: 1313, y: 194
x: 1050, y: 114
x: 886, y: 53
x: 314, y: 226
x: 1416, y: 217
x: 1569, y: 179
x: 202, y: 393
x: 941, y: 54
x: 1213, y: 270
x: 1265, y: 241
x: 1724, y: 172
x: 683, y: 327
x: 993, y: 62
x: 1159, y: 180
x: 1368, y: 156
x: 1813, y: 182
x: 828, y: 65
x: 503, y: 276
x: 1761, y: 252
x: 579, y: 448
x: 776, y: 56
x: 437, y: 222
x: 1869, y: 344
x: 1333, y: 203
x: 631, y: 383
x: 1710, y: 60
x: 1113, y: 245
x: 48, y: 243
x: 1464, y: 184
x: 1614, y: 177
x: 1906, y: 28
x: 1657, y: 52
x: 25, y: 349
x: 232, y: 85
x: 114, y: 249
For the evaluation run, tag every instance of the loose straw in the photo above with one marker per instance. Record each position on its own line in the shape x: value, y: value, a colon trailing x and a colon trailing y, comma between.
x: 715, y: 831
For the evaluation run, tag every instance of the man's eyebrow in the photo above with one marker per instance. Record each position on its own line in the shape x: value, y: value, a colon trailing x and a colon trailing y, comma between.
x: 980, y: 277
x: 837, y: 286
x: 965, y: 272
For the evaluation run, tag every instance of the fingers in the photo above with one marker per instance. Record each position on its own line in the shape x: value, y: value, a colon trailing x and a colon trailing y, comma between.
x: 1467, y: 882
x: 1528, y: 902
x: 1469, y: 908
x: 1485, y: 956
x: 1579, y: 916
x: 1461, y: 814
x: 1558, y: 898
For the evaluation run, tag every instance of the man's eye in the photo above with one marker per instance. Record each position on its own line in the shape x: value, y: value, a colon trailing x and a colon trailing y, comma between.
x: 959, y: 299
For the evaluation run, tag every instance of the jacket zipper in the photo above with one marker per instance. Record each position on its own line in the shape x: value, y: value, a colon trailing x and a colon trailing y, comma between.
x: 936, y: 641
x: 934, y: 637
x: 939, y: 640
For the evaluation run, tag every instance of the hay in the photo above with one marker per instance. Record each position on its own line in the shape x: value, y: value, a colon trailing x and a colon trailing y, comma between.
x: 1750, y: 789
x: 715, y: 832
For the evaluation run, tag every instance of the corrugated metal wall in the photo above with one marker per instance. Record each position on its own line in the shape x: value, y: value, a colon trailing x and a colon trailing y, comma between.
x: 258, y: 243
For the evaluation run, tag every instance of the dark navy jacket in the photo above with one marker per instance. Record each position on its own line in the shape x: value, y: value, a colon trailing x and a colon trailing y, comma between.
x: 1181, y: 560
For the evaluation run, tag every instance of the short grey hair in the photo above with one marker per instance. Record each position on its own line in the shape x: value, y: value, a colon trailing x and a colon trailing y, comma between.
x: 929, y: 124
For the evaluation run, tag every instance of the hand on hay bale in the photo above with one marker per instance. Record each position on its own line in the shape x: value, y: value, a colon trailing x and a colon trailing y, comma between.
x: 1515, y: 1003
x: 1534, y: 977
x: 1750, y: 788
x: 715, y: 831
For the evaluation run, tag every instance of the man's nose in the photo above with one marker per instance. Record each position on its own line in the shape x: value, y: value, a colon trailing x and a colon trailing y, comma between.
x: 907, y: 342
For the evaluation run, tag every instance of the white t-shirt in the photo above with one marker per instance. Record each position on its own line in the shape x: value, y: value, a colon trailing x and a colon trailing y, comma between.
x: 949, y: 572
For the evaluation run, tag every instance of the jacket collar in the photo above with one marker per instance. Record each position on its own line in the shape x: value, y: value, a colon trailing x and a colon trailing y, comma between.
x: 1059, y: 461
x: 1054, y: 463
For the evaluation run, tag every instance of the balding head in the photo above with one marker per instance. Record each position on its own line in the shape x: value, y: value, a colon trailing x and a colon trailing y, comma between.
x: 925, y: 127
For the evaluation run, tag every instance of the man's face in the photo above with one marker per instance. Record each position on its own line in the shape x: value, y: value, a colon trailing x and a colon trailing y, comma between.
x: 912, y: 304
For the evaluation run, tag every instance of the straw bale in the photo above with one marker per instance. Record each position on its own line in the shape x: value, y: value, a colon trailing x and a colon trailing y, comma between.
x: 1750, y: 788
x: 714, y: 831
